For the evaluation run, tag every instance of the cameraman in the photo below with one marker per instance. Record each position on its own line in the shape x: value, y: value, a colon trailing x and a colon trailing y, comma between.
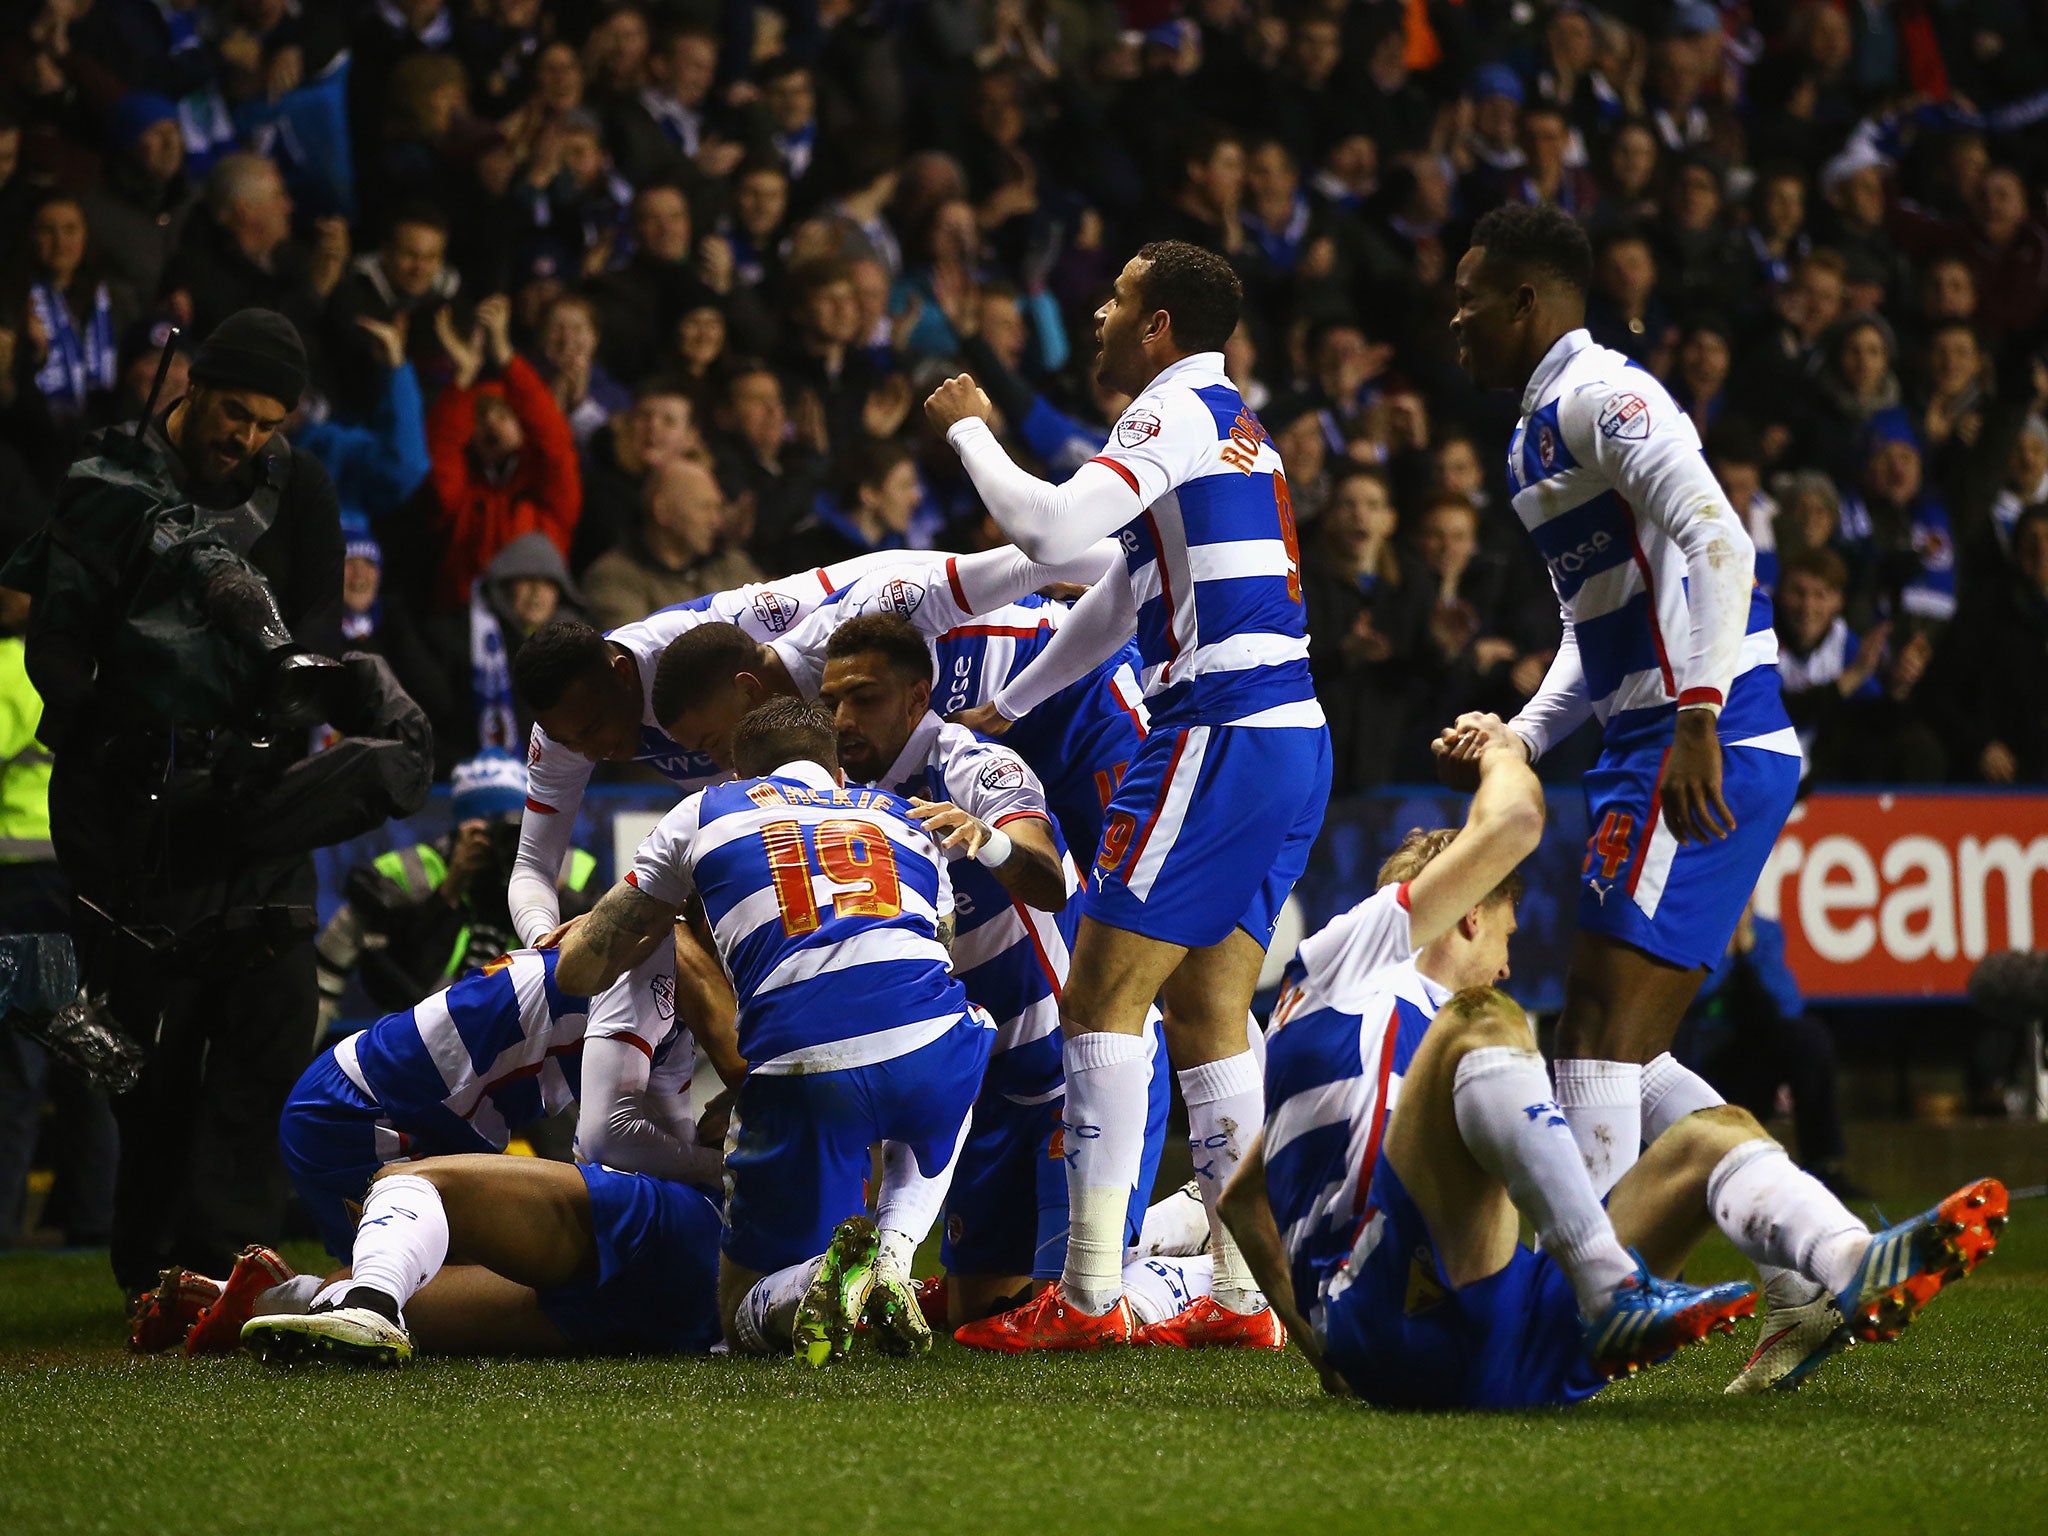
x: 154, y: 813
x: 417, y: 918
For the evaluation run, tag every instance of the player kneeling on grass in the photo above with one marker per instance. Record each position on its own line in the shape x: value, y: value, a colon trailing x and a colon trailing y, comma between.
x: 508, y: 1255
x: 1410, y: 1128
x: 830, y: 907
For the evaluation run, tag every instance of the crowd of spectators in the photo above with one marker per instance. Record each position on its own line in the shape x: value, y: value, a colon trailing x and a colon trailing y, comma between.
x: 611, y: 305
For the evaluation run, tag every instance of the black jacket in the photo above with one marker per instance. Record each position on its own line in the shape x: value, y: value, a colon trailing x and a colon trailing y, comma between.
x: 299, y: 555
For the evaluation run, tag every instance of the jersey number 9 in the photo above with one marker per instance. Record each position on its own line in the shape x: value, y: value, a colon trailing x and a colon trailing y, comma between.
x: 850, y: 854
x: 1283, y: 502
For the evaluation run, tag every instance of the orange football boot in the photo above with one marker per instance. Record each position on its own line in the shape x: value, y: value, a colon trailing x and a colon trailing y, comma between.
x: 1050, y: 1322
x: 1207, y: 1324
x: 162, y: 1316
x: 1907, y: 1265
x: 218, y: 1330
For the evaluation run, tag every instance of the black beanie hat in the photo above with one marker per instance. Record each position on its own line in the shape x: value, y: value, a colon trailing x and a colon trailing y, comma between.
x: 254, y: 349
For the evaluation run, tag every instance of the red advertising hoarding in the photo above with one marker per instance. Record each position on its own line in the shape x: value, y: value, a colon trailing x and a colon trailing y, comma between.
x: 1899, y: 894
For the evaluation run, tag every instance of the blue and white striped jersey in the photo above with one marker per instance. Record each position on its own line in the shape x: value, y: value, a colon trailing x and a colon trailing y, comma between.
x: 1348, y: 1022
x: 1607, y: 475
x: 1011, y: 958
x: 1078, y: 741
x: 556, y: 777
x: 976, y: 654
x: 640, y: 1007
x: 824, y: 902
x: 1213, y: 559
x: 497, y: 1050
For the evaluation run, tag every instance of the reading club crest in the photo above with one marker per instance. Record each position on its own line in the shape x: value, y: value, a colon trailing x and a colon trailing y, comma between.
x: 774, y: 610
x: 1137, y: 427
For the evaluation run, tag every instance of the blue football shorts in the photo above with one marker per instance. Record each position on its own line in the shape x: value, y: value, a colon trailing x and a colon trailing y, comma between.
x: 1209, y: 830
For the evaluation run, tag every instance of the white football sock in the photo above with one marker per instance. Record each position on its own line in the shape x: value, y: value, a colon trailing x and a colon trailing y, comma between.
x: 910, y: 1200
x: 1163, y: 1288
x: 1602, y: 1102
x: 1103, y: 1135
x: 1226, y: 1106
x: 1670, y: 1093
x: 1511, y: 1123
x: 1173, y: 1227
x: 330, y: 1294
x: 402, y: 1240
x: 290, y: 1298
x: 1777, y: 1213
x: 768, y: 1311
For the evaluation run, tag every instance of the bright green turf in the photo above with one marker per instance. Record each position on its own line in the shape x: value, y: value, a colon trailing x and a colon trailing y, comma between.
x: 1942, y: 1432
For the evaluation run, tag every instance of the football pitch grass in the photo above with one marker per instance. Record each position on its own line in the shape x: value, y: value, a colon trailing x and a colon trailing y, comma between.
x: 1945, y: 1431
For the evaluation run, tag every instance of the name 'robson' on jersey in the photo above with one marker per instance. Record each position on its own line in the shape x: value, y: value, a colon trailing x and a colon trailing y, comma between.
x: 824, y: 903
x: 1593, y: 424
x: 1214, y: 559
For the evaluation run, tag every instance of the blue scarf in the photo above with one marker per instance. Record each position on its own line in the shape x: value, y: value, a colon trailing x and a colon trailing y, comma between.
x: 1282, y: 245
x: 1777, y: 270
x: 490, y: 671
x: 77, y: 365
x: 203, y: 116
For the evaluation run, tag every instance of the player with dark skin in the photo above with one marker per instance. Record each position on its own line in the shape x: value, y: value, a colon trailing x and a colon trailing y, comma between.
x: 598, y: 717
x: 1620, y: 1003
x: 875, y: 707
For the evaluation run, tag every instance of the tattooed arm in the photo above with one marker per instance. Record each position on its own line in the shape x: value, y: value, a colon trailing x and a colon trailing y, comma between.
x: 637, y: 913
x: 620, y: 932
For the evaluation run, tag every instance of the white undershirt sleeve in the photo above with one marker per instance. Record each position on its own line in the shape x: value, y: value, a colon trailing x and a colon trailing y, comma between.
x: 618, y: 1127
x: 1098, y: 624
x: 995, y: 578
x: 555, y: 781
x: 1561, y: 704
x: 1050, y: 523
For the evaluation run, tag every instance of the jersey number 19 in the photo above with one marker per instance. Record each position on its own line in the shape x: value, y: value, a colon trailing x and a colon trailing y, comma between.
x: 850, y: 854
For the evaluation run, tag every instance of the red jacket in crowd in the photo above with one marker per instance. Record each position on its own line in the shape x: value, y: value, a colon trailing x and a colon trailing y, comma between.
x: 481, y: 514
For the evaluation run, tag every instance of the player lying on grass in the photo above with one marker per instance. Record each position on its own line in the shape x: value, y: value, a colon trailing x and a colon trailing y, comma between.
x: 497, y: 1050
x: 1410, y: 1128
x: 476, y: 1255
x: 830, y: 907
